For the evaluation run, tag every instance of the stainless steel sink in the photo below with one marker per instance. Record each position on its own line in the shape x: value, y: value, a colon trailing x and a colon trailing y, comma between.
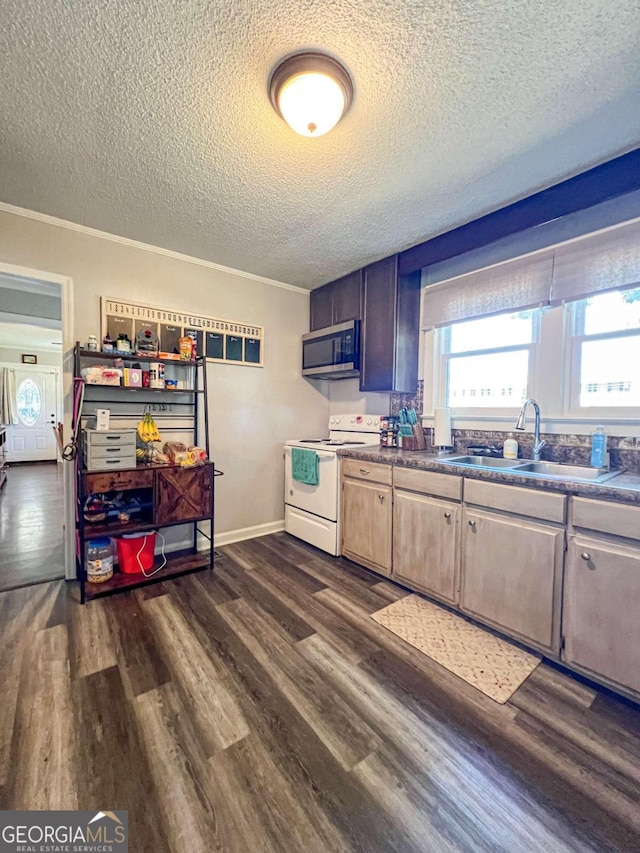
x: 550, y: 470
x: 561, y: 471
x: 480, y: 461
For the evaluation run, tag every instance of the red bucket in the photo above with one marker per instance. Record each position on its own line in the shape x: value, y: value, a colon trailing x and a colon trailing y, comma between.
x: 135, y: 552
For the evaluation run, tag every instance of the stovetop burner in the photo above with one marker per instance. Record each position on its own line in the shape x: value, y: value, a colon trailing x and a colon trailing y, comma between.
x: 339, y: 441
x: 314, y: 441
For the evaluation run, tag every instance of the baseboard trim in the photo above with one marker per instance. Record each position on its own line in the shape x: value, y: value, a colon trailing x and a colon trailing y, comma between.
x: 243, y: 533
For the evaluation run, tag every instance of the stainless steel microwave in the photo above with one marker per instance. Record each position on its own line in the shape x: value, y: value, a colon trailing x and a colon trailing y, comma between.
x: 332, y: 353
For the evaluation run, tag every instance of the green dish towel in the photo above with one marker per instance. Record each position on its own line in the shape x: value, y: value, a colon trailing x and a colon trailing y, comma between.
x: 304, y: 466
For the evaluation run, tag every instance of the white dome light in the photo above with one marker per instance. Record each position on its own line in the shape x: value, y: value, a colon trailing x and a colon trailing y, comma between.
x: 311, y: 92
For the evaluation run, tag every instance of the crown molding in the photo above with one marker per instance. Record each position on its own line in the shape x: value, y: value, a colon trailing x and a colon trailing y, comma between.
x: 147, y: 247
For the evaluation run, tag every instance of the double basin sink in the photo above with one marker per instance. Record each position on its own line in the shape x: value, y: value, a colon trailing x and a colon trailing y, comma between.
x: 548, y: 470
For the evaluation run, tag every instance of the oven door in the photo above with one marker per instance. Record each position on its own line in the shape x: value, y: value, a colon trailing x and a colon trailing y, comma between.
x: 320, y: 500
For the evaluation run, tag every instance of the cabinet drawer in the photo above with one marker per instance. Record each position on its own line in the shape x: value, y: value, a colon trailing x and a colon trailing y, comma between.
x: 116, y: 480
x: 123, y: 436
x: 606, y: 517
x: 112, y: 462
x: 104, y: 451
x: 428, y: 483
x: 530, y: 502
x: 372, y: 471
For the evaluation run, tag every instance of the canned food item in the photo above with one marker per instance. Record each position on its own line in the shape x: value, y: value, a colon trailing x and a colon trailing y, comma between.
x: 186, y: 348
x: 99, y: 560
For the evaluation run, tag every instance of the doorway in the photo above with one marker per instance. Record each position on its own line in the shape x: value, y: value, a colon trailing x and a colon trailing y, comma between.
x: 37, y: 406
x: 34, y: 522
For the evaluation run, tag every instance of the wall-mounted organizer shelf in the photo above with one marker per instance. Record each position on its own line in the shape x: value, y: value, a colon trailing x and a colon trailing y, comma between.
x: 156, y: 497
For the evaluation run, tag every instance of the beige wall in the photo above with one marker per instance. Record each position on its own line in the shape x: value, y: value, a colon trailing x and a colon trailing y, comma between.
x: 253, y: 410
x: 14, y: 356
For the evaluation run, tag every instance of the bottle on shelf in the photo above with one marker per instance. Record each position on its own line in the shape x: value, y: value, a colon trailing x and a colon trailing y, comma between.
x: 123, y: 344
x: 107, y: 344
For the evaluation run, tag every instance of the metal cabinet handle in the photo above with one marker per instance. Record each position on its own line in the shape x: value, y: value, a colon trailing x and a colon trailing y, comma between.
x: 381, y: 498
x: 472, y: 524
x: 365, y: 471
x: 447, y: 515
x: 585, y: 555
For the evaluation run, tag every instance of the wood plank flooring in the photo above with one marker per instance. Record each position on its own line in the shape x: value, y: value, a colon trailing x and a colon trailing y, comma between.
x: 31, y: 525
x: 260, y: 708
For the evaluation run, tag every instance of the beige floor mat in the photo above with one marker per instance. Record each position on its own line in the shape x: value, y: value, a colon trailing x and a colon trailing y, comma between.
x: 491, y: 664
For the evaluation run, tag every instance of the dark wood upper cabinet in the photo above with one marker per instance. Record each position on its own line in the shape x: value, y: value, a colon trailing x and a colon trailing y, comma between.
x: 321, y: 308
x: 390, y: 328
x: 347, y: 298
x: 336, y: 302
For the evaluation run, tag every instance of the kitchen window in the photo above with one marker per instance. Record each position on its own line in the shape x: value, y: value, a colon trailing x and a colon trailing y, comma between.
x: 604, y: 358
x: 487, y: 363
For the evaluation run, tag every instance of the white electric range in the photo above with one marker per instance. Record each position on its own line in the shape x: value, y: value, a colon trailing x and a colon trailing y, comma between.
x: 312, y: 513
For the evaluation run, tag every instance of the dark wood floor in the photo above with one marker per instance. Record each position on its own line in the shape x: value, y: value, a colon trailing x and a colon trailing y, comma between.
x: 31, y: 525
x: 259, y: 708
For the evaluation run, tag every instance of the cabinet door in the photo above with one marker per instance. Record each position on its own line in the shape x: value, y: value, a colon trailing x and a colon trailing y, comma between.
x: 347, y: 293
x: 600, y: 615
x: 183, y: 494
x: 390, y: 328
x: 425, y: 544
x: 378, y: 328
x: 511, y: 572
x: 366, y: 524
x: 321, y: 307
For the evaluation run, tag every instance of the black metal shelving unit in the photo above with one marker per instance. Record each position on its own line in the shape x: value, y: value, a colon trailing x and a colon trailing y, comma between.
x: 194, y: 398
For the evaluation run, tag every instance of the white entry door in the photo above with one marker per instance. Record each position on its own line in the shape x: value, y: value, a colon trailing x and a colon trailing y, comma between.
x: 32, y: 439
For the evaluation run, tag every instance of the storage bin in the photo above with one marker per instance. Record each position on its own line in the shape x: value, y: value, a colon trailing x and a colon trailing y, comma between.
x: 136, y: 552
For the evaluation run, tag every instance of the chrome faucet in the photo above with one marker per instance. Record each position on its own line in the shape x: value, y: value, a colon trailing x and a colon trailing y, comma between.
x: 521, y: 423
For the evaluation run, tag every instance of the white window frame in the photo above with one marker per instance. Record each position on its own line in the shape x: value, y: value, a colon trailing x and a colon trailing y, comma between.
x: 443, y: 356
x: 574, y: 337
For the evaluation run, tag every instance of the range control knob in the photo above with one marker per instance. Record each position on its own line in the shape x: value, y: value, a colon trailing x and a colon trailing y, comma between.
x: 353, y: 420
x: 369, y: 422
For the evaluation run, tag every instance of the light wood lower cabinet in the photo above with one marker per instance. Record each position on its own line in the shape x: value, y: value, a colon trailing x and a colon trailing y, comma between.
x: 366, y: 523
x: 426, y: 544
x: 512, y: 574
x: 601, y: 625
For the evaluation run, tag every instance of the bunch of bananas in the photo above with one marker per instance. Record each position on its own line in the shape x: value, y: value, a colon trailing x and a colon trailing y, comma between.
x: 148, y: 429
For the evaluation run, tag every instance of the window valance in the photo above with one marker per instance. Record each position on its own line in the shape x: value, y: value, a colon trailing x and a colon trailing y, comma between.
x: 510, y: 286
x: 608, y: 260
x: 605, y: 260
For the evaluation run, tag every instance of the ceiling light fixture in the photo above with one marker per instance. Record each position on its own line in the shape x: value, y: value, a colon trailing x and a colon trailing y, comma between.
x: 311, y: 91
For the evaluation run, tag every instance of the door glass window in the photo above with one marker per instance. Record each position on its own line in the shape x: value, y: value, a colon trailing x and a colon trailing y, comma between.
x: 29, y: 401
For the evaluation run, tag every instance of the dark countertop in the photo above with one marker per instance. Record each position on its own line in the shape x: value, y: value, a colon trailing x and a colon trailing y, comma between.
x: 624, y: 488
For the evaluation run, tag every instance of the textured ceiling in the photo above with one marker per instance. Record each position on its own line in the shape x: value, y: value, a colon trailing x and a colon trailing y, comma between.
x: 150, y: 119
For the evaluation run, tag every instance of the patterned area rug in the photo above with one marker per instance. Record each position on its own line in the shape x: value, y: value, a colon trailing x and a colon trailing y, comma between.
x: 492, y: 665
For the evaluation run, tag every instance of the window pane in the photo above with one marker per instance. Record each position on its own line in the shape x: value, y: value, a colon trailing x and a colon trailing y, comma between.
x: 503, y: 330
x: 29, y: 402
x: 498, y: 380
x: 610, y: 374
x: 610, y: 312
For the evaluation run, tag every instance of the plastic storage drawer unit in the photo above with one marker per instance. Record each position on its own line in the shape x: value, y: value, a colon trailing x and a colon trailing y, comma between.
x: 109, y: 449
